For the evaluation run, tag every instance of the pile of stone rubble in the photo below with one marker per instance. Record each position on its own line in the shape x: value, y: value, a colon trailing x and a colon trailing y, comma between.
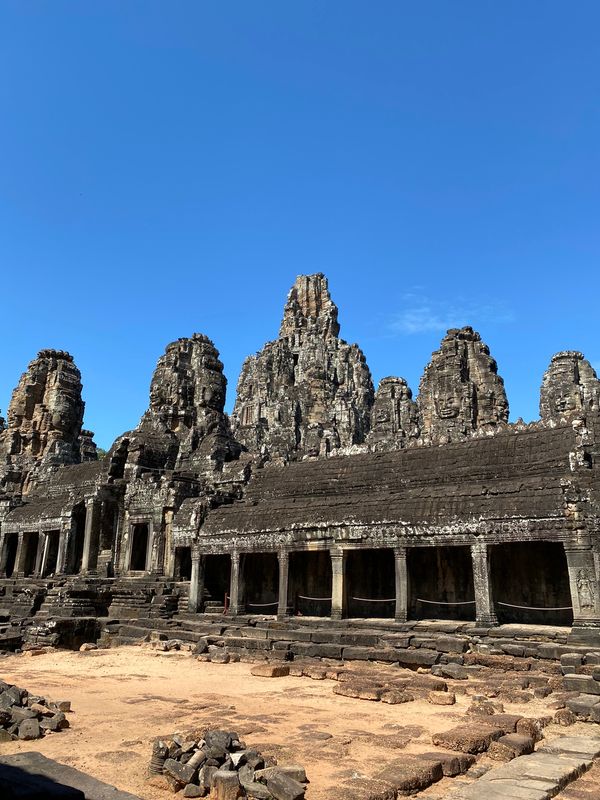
x: 27, y: 716
x: 222, y: 765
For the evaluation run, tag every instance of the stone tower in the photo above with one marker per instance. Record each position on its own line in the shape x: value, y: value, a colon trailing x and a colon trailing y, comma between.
x: 308, y: 393
x: 461, y: 391
x: 44, y: 419
x: 569, y: 386
x: 395, y: 416
x: 185, y: 426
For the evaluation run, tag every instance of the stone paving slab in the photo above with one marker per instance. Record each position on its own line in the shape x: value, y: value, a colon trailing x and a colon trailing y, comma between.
x: 539, y: 776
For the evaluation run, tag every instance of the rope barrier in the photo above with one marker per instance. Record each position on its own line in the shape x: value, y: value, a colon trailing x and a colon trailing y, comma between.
x: 373, y: 600
x: 536, y: 608
x: 262, y: 605
x: 440, y: 603
x: 303, y: 597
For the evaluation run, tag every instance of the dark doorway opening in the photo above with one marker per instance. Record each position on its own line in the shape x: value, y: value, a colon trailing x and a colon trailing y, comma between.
x: 76, y: 541
x: 139, y: 547
x: 11, y: 546
x: 533, y: 575
x: 183, y: 563
x: 30, y: 543
x: 310, y: 583
x: 370, y: 583
x: 217, y: 580
x: 440, y: 583
x: 259, y: 584
x: 51, y: 556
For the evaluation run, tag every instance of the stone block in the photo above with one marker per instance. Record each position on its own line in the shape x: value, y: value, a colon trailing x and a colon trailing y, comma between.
x: 452, y: 763
x: 419, y: 658
x: 182, y: 773
x: 441, y: 698
x: 283, y: 787
x: 225, y: 785
x: 581, y: 683
x: 582, y: 705
x: 473, y: 738
x: 270, y: 670
x: 29, y: 729
x: 396, y: 696
x: 411, y: 774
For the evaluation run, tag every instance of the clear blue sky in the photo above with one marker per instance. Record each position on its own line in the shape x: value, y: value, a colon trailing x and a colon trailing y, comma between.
x: 169, y: 167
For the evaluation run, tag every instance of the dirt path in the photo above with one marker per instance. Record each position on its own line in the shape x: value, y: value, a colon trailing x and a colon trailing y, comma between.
x: 124, y: 698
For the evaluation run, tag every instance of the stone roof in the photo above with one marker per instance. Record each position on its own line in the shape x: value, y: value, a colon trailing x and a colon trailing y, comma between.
x: 505, y: 476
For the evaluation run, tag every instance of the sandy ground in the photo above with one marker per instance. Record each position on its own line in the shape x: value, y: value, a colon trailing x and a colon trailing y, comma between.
x: 124, y: 698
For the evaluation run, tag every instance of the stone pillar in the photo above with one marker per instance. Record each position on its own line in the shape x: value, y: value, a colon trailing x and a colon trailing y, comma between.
x: 401, y: 572
x: 20, y: 557
x: 337, y: 583
x: 40, y: 554
x: 63, y: 543
x: 90, y: 540
x: 43, y: 546
x: 3, y: 554
x: 196, y: 601
x: 485, y: 614
x: 284, y: 565
x: 585, y: 592
x: 234, y: 588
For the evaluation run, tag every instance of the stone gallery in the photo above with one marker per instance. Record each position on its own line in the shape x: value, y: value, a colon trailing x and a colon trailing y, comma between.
x: 318, y: 497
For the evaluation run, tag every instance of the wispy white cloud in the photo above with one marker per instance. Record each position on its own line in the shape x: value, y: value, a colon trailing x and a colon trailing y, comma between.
x: 422, y: 314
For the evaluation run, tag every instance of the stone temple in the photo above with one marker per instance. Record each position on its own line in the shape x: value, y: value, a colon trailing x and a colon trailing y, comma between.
x: 320, y: 503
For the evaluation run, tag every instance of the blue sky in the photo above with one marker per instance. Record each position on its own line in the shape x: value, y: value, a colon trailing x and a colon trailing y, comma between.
x: 170, y: 167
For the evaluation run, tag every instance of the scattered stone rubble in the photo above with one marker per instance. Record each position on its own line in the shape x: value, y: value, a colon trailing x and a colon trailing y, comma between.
x: 26, y: 716
x: 221, y: 764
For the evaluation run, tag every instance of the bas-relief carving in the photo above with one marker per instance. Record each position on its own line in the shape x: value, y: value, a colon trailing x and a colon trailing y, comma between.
x: 586, y: 592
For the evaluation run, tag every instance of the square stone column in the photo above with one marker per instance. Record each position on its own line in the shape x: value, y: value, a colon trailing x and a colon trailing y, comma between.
x: 3, y: 554
x: 485, y: 613
x: 234, y: 587
x: 196, y: 599
x: 585, y: 593
x: 337, y: 583
x: 20, y: 557
x: 63, y: 543
x: 284, y: 567
x: 39, y: 556
x: 91, y: 534
x: 401, y: 573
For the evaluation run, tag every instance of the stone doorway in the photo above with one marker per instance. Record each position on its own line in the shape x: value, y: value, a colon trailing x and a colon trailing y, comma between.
x: 183, y: 564
x: 217, y: 579
x: 138, y: 561
x: 259, y: 583
x: 440, y: 583
x: 30, y: 545
x: 310, y: 583
x: 11, y: 545
x: 370, y: 580
x: 76, y: 540
x: 51, y: 546
x: 533, y: 576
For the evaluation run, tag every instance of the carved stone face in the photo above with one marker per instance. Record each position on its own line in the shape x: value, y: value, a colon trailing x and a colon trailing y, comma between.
x: 447, y: 404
